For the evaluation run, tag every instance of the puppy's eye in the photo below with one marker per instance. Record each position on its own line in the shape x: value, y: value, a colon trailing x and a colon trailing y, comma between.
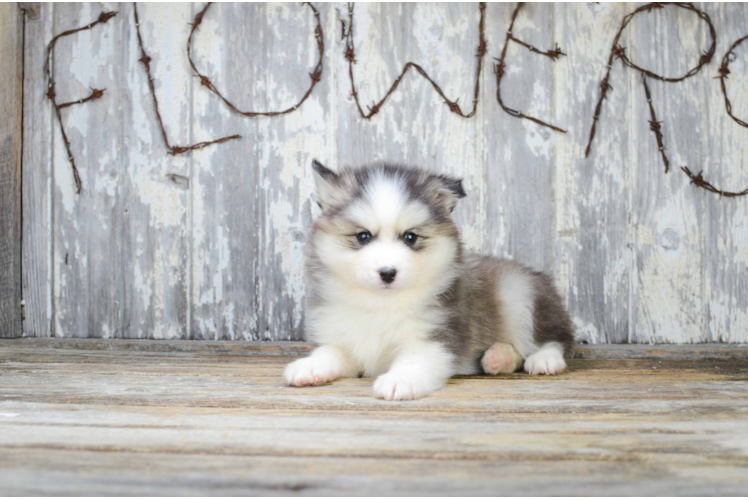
x: 410, y: 238
x: 363, y: 237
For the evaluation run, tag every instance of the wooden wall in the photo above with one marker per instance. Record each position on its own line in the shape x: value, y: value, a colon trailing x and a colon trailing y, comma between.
x: 208, y: 244
x: 11, y: 97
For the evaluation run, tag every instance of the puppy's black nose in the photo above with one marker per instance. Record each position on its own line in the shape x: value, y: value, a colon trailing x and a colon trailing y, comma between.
x: 388, y: 274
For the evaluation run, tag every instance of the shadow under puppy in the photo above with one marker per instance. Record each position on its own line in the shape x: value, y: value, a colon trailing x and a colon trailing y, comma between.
x: 391, y: 293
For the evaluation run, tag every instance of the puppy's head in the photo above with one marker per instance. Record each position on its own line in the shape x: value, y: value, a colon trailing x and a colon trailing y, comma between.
x: 386, y: 228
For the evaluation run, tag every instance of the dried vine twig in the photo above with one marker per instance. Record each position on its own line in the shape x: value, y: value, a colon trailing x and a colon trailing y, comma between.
x: 315, y: 75
x: 52, y: 95
x: 146, y: 60
x: 454, y: 107
x: 500, y: 69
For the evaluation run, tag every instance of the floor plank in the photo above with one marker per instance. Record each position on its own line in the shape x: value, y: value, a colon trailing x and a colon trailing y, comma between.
x: 134, y: 418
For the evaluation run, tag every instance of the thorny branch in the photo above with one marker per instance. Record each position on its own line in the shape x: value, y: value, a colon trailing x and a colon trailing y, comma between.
x: 51, y: 94
x: 315, y: 75
x: 350, y: 55
x: 500, y: 69
x: 146, y: 60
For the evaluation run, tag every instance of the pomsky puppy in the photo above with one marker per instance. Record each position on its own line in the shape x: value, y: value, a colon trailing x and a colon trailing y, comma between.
x: 391, y: 293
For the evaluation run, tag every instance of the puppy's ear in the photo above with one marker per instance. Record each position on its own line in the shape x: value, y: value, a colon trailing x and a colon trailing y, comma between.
x: 326, y: 182
x: 449, y: 190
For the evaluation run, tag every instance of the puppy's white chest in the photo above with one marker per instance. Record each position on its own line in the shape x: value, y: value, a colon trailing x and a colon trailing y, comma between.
x: 372, y: 339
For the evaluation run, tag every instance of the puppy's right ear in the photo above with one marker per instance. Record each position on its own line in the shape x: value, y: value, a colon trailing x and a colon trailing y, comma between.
x: 326, y: 182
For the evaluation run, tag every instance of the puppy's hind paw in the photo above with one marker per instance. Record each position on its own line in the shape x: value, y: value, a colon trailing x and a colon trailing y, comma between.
x: 501, y: 358
x: 547, y: 361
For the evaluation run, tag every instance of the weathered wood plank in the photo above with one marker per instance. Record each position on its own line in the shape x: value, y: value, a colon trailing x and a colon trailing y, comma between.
x: 36, y: 346
x: 725, y: 163
x: 156, y: 185
x: 38, y: 219
x: 88, y: 230
x: 592, y: 219
x: 124, y: 422
x: 520, y: 185
x: 11, y: 133
x: 667, y: 212
x: 251, y: 200
x: 127, y: 473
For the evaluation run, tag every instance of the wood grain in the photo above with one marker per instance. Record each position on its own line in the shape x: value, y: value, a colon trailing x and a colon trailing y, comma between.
x: 88, y: 229
x: 593, y: 216
x: 38, y: 219
x: 668, y: 222
x: 11, y: 133
x: 127, y: 422
x: 726, y: 270
x: 156, y: 190
x: 521, y: 202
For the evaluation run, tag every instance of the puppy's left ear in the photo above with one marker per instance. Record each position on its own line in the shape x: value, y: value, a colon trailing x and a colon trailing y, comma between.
x: 326, y: 182
x: 449, y: 191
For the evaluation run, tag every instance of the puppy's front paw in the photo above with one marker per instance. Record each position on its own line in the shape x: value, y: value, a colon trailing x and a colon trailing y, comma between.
x: 309, y: 371
x: 398, y: 388
x: 545, y: 362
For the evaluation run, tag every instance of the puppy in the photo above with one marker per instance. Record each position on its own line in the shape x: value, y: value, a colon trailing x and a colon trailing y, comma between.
x: 391, y: 293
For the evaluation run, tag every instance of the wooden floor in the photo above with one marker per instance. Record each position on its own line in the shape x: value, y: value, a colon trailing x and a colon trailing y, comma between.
x: 178, y: 418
